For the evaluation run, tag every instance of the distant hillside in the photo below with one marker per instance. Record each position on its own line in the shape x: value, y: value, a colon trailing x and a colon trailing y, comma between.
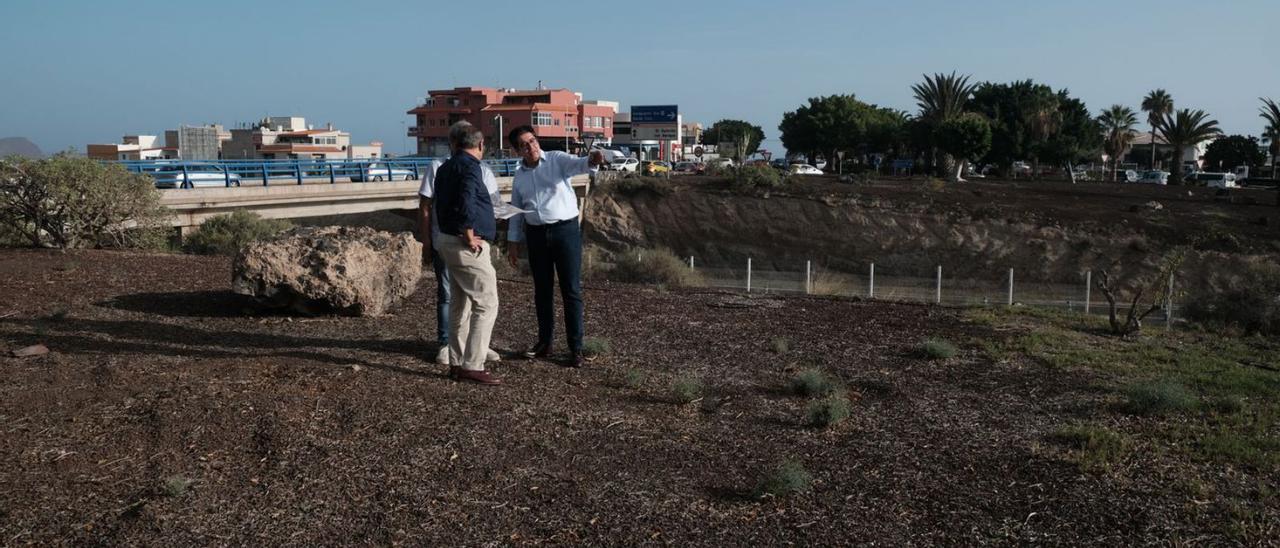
x: 19, y: 146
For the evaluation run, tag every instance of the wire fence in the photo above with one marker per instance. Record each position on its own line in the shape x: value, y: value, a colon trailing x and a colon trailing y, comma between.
x: 1005, y: 289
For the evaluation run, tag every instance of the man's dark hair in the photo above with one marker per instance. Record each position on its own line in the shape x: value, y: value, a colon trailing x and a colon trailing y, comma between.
x: 514, y: 136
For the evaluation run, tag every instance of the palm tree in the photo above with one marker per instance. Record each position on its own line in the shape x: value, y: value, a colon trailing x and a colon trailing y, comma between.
x: 1271, y: 135
x: 942, y: 97
x: 1186, y: 128
x: 1157, y: 105
x: 1118, y: 122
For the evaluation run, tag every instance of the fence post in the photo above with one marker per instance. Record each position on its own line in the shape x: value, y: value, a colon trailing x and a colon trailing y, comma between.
x: 937, y: 297
x: 297, y: 171
x: 748, y: 274
x: 1088, y: 288
x: 691, y: 262
x: 808, y: 277
x: 1010, y: 302
x: 331, y: 177
x: 264, y: 174
x: 871, y: 284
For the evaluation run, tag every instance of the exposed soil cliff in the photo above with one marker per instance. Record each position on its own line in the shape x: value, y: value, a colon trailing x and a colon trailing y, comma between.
x: 1046, y: 231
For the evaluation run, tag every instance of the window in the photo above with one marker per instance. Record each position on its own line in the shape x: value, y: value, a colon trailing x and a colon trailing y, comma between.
x: 542, y: 119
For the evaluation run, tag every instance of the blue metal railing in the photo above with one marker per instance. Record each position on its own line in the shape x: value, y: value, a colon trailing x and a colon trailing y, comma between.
x: 231, y: 173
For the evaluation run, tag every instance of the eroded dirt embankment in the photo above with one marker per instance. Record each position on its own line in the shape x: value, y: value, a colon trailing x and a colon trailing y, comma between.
x: 1047, y: 233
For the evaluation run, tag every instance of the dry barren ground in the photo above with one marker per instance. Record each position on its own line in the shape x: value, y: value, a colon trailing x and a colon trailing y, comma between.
x: 165, y: 415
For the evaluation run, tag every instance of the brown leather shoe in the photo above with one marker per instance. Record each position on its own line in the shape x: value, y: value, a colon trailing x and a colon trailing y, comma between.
x: 540, y: 350
x: 478, y: 377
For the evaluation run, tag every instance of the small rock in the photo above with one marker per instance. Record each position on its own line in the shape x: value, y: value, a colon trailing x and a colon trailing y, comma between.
x: 356, y: 368
x: 33, y: 350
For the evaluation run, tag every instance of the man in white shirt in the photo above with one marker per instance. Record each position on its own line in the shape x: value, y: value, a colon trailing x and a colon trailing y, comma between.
x: 428, y: 232
x: 551, y: 233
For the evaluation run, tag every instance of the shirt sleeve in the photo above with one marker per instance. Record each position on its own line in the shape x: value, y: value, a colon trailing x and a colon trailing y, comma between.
x: 515, y: 225
x: 571, y: 165
x: 428, y: 188
x: 491, y: 185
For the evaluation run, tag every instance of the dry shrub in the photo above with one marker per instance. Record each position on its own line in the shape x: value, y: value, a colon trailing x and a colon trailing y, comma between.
x: 654, y: 266
x: 826, y: 282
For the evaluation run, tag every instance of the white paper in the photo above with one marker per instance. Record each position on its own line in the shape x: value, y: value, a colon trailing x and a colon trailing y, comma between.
x: 506, y: 211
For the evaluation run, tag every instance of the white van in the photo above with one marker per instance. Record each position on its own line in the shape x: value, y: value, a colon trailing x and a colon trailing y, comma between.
x: 1214, y: 180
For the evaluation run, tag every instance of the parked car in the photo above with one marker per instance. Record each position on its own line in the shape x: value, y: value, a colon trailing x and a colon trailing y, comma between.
x: 625, y: 164
x: 1127, y: 176
x: 195, y: 175
x: 1021, y: 168
x: 721, y: 162
x: 654, y: 167
x: 803, y: 169
x: 380, y: 172
x: 1153, y: 177
x: 1215, y: 180
x: 689, y: 168
x: 779, y: 163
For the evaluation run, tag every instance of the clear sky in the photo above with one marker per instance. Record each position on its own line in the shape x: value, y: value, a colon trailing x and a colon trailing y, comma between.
x: 78, y: 72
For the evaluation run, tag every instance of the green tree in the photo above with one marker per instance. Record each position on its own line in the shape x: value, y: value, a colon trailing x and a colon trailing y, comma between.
x: 1234, y: 150
x: 1005, y: 106
x: 1032, y: 121
x: 742, y: 136
x: 941, y: 97
x: 1076, y: 135
x: 837, y: 123
x: 1185, y: 128
x: 1117, y: 125
x: 69, y: 202
x: 1157, y: 104
x: 1270, y: 112
x: 964, y: 137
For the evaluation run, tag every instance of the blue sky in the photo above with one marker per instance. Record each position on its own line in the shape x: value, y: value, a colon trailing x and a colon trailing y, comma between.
x: 81, y: 72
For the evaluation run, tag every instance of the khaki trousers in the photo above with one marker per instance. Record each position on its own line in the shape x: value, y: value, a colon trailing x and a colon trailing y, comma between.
x: 474, y: 306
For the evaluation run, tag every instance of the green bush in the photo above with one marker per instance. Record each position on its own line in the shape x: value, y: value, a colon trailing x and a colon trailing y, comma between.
x: 811, y: 382
x: 686, y: 389
x: 634, y: 378
x: 658, y: 266
x: 226, y: 234
x: 1158, y: 398
x: 594, y: 347
x: 827, y: 411
x: 780, y: 345
x: 1094, y: 445
x: 757, y: 177
x: 633, y: 185
x: 1252, y: 305
x: 937, y: 349
x: 789, y: 477
x: 71, y: 202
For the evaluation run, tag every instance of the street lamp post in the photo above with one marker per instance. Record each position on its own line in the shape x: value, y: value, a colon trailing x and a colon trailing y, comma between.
x: 498, y: 119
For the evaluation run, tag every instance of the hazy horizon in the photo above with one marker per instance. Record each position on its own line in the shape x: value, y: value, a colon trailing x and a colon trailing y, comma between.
x: 83, y: 72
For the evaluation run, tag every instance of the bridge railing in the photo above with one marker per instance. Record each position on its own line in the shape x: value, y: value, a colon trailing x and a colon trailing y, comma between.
x: 192, y: 173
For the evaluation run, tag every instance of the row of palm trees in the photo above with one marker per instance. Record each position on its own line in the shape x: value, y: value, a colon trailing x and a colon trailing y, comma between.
x: 1179, y: 128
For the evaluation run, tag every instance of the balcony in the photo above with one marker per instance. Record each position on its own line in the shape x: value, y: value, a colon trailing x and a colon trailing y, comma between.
x: 413, y: 131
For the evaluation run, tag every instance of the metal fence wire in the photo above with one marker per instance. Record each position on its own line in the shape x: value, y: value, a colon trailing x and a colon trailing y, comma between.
x: 1003, y: 289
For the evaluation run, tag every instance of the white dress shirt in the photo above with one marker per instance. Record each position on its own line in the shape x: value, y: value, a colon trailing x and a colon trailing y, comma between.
x: 545, y: 191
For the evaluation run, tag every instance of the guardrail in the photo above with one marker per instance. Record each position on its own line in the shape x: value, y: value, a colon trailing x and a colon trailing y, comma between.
x: 192, y: 173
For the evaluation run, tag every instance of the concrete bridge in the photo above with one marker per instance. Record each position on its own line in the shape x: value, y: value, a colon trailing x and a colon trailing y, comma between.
x: 191, y: 207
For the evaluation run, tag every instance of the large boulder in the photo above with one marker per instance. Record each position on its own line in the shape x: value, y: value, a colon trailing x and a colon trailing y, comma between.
x: 333, y: 269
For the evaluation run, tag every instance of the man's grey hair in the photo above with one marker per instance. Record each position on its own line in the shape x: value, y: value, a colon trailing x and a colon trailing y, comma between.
x: 465, y: 136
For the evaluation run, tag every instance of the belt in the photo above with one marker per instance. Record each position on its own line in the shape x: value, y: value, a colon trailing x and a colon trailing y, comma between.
x: 573, y: 219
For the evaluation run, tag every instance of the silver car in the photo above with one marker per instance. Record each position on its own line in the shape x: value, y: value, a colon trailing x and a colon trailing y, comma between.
x: 380, y: 172
x: 194, y: 176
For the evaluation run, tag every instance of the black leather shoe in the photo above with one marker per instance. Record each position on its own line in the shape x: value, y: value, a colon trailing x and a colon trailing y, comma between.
x: 540, y: 350
x: 576, y: 360
x: 453, y: 371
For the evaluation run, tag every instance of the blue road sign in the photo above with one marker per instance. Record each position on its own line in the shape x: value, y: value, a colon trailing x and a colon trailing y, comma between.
x: 654, y: 114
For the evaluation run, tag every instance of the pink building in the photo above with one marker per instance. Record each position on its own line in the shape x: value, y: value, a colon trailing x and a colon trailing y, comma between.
x: 560, y: 119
